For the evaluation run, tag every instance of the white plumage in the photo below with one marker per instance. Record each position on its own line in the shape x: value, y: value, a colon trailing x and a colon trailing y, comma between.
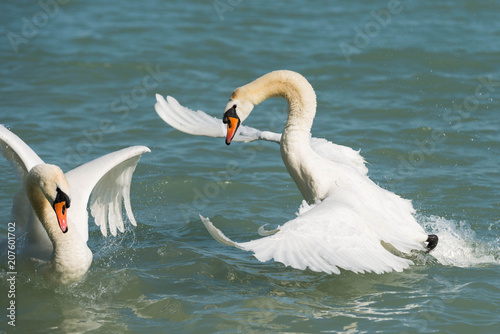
x: 347, y: 221
x: 65, y: 257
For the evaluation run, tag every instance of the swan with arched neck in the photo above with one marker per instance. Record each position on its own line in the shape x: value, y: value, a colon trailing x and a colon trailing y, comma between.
x: 346, y: 221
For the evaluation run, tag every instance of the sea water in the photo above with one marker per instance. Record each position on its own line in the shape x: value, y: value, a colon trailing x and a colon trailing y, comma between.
x: 413, y: 85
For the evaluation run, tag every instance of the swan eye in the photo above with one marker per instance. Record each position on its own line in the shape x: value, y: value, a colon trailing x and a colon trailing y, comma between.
x: 231, y: 112
x: 62, y: 197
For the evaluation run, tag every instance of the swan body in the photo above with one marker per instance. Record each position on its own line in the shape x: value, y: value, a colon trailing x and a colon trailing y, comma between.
x: 51, y: 207
x: 346, y: 221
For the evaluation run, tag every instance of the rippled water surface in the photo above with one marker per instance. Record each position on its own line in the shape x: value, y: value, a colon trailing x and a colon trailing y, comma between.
x: 415, y: 85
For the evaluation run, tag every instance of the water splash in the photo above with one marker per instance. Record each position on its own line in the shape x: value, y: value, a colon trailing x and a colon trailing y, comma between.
x: 459, y: 245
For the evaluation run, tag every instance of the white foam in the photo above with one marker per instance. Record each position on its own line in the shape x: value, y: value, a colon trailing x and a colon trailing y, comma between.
x: 458, y: 243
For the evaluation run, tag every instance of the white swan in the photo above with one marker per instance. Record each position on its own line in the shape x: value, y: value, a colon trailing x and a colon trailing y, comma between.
x: 51, y: 207
x: 348, y: 221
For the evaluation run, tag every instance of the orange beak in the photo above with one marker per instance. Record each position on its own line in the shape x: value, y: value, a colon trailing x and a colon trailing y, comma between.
x: 60, y: 209
x: 232, y: 125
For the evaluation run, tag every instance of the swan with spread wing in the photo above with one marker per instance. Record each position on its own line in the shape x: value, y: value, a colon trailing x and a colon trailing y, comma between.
x: 346, y: 221
x: 51, y: 207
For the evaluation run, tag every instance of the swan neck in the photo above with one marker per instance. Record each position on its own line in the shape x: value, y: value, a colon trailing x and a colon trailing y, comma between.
x: 42, y: 209
x: 67, y: 243
x: 294, y: 88
x: 296, y: 152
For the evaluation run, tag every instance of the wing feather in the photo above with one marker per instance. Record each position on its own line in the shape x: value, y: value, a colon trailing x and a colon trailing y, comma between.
x: 14, y: 149
x: 322, y: 239
x: 201, y: 124
x: 108, y: 179
x: 339, y: 154
x: 22, y: 158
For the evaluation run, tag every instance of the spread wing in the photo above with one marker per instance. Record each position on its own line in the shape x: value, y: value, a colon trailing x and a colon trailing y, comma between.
x: 326, y: 238
x: 22, y: 158
x: 199, y: 123
x: 108, y: 179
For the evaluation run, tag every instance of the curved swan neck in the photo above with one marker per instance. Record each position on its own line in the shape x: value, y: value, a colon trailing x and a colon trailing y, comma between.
x: 299, y: 158
x: 289, y: 85
x: 69, y: 242
x: 70, y: 258
x: 42, y: 209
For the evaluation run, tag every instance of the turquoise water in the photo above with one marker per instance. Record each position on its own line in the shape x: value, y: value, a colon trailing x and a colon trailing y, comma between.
x: 414, y: 85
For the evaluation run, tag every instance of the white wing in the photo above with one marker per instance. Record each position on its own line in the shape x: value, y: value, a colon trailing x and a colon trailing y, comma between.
x: 108, y: 178
x: 23, y: 158
x: 18, y: 152
x: 327, y: 237
x: 199, y: 123
x: 339, y: 154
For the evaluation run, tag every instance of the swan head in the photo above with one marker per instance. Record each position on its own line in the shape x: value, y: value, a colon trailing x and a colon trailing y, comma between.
x: 54, y: 187
x: 236, y: 111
